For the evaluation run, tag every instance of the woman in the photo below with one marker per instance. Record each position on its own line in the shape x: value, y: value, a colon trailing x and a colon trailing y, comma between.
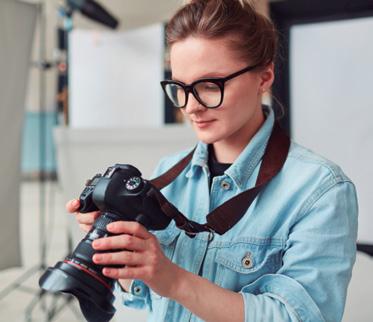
x: 289, y: 258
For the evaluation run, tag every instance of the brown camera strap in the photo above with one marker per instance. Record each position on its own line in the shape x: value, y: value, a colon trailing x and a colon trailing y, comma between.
x: 230, y: 212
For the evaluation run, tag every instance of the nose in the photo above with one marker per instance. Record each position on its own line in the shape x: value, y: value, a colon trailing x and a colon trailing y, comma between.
x: 193, y: 105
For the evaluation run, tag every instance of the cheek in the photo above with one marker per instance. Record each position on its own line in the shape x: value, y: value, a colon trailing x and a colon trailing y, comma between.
x: 246, y: 96
x: 232, y: 118
x: 236, y: 106
x: 246, y: 91
x: 237, y: 110
x: 241, y: 100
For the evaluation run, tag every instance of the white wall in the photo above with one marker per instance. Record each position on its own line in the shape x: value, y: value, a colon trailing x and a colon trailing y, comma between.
x: 131, y: 13
x: 114, y: 78
x: 332, y: 100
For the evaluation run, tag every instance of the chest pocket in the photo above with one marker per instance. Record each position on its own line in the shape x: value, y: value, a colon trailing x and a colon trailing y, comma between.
x: 167, y: 238
x: 242, y: 261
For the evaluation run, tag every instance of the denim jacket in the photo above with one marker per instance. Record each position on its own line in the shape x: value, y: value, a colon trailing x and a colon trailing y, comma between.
x: 290, y: 255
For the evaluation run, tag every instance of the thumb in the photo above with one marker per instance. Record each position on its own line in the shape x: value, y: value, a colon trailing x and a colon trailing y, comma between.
x: 73, y: 205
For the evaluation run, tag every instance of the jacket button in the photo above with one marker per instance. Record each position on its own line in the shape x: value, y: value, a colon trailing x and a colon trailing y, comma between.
x: 137, y: 290
x: 246, y: 261
x: 225, y: 185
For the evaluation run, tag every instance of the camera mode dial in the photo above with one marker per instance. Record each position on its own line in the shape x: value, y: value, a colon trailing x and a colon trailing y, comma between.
x: 133, y: 183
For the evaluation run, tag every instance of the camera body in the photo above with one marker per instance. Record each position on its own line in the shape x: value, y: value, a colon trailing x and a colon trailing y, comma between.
x: 120, y: 194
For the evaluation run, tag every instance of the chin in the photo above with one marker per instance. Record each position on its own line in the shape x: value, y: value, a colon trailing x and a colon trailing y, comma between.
x: 207, y: 141
x: 209, y: 135
x: 207, y: 138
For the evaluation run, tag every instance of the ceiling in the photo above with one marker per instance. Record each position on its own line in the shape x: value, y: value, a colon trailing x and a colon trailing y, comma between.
x: 130, y: 13
x: 134, y: 13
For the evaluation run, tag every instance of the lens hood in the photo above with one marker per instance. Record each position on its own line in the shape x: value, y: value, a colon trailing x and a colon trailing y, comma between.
x: 95, y: 296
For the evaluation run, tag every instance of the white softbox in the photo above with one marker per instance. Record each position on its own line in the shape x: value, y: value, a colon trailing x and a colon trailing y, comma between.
x: 17, y: 24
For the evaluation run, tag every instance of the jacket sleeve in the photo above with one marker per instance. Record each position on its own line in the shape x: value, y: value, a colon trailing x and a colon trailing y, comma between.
x: 319, y: 255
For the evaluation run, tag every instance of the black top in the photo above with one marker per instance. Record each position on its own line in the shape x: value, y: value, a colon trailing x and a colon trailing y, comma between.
x: 216, y: 168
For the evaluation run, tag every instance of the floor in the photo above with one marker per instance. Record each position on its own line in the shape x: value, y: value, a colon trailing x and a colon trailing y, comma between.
x: 12, y: 307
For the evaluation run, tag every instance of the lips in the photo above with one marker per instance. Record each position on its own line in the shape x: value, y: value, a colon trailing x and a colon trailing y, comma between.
x: 203, y: 123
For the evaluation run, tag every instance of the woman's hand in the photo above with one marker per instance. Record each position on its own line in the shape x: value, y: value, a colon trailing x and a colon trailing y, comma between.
x: 85, y: 220
x: 141, y: 255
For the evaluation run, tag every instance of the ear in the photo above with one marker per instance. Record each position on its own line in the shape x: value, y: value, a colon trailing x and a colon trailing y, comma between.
x: 267, y: 76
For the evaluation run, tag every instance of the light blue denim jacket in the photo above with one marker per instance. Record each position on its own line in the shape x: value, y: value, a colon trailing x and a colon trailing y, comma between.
x: 292, y: 253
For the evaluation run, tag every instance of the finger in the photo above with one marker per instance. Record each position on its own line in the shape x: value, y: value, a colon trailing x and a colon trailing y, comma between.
x: 120, y: 242
x: 129, y: 227
x: 72, y: 205
x: 124, y: 257
x: 85, y: 228
x: 87, y: 218
x: 125, y: 272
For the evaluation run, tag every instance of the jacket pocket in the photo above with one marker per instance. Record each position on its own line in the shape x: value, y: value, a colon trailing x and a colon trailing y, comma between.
x: 242, y: 261
x: 167, y: 237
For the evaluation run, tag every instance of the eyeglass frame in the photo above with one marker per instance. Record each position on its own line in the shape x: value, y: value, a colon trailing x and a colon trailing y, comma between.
x: 219, y: 81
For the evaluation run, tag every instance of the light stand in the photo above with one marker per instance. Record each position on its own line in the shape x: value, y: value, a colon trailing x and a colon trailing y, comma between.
x: 17, y: 284
x: 96, y: 12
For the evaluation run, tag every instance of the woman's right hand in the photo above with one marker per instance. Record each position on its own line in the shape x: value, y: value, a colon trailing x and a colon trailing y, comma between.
x: 85, y: 220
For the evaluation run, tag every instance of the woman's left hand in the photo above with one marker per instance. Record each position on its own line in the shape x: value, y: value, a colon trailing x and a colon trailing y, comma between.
x: 141, y: 255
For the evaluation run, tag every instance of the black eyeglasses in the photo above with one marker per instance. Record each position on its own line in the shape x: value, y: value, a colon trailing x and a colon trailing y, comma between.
x: 209, y: 92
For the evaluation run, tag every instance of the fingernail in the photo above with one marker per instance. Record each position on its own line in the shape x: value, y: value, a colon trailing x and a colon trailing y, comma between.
x: 110, y: 226
x: 75, y: 202
x: 97, y: 258
x: 96, y: 243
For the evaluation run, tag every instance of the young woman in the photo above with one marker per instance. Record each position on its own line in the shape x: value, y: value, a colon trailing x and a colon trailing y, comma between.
x: 290, y: 256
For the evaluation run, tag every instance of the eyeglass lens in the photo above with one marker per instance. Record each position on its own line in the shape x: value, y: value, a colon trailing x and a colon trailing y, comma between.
x: 209, y: 94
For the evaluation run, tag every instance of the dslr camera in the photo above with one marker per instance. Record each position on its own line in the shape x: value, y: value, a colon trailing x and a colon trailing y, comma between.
x: 120, y: 194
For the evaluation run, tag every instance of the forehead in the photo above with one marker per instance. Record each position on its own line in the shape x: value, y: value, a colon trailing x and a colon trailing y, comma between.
x: 196, y: 57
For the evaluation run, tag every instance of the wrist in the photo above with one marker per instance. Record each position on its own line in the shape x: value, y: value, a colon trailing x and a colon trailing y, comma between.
x: 179, y: 285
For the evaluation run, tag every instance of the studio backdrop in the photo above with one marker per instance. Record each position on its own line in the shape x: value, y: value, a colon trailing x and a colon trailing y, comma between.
x: 325, y: 79
x: 17, y: 24
x: 332, y: 100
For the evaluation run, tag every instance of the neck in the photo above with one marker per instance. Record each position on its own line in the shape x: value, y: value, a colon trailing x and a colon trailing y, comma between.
x: 228, y: 150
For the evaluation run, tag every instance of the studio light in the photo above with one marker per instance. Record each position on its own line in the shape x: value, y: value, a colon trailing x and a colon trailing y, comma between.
x: 94, y: 11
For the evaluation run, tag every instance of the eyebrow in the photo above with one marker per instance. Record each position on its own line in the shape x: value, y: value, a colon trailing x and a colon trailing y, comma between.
x: 207, y: 75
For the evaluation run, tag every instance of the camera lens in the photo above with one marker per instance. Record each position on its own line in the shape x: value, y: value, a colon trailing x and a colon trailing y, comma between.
x: 81, y: 277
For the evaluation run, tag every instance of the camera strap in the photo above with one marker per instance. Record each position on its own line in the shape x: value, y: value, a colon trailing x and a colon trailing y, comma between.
x: 224, y: 217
